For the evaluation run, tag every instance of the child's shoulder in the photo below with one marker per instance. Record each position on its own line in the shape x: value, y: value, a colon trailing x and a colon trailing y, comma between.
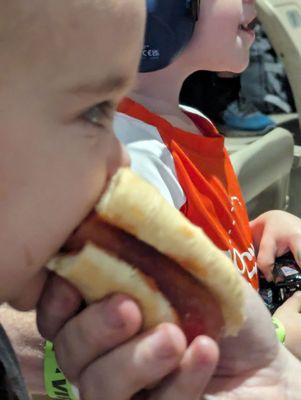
x: 138, y: 118
x: 139, y: 113
x: 133, y: 122
x: 193, y: 111
x: 130, y: 128
x: 150, y: 156
x: 201, y: 121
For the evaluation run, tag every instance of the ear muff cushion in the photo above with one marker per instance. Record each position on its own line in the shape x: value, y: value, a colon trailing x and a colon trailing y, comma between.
x: 170, y: 26
x: 160, y: 43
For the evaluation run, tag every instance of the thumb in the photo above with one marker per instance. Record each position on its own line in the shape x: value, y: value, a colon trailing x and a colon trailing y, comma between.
x: 266, y: 257
x: 293, y: 303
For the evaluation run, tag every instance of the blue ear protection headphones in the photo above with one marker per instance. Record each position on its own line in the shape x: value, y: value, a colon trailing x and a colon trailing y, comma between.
x: 169, y: 28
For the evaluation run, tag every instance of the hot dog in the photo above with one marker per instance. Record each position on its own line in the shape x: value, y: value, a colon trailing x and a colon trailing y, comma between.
x: 136, y: 243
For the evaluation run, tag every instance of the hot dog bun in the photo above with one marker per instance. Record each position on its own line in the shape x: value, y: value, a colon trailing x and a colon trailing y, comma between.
x: 97, y: 281
x: 134, y: 206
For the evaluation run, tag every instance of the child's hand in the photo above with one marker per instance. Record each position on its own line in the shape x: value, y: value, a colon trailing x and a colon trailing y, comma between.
x: 113, y: 364
x: 289, y: 315
x: 274, y: 234
x: 100, y: 352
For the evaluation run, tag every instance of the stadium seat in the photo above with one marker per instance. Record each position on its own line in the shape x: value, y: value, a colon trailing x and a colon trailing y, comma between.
x: 281, y: 20
x: 263, y: 169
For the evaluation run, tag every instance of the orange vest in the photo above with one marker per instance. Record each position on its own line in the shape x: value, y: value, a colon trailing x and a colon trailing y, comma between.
x: 213, y: 197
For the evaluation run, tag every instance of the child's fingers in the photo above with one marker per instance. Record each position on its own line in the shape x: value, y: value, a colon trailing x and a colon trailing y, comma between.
x: 95, y: 331
x: 59, y: 302
x: 266, y: 256
x: 137, y: 364
x: 292, y: 304
x: 194, y: 373
x: 257, y: 230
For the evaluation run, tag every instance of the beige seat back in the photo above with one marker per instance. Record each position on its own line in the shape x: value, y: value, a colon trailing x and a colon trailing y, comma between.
x: 281, y: 20
x: 263, y: 169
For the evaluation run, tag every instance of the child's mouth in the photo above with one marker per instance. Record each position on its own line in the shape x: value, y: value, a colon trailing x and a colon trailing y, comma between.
x: 249, y: 26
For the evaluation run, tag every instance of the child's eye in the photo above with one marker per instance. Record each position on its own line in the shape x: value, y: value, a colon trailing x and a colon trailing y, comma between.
x: 99, y: 114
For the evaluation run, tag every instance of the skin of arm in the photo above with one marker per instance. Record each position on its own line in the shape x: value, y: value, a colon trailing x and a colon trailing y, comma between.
x: 28, y: 344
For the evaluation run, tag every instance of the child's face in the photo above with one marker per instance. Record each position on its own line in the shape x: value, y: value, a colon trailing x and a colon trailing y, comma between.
x: 63, y: 68
x: 218, y: 43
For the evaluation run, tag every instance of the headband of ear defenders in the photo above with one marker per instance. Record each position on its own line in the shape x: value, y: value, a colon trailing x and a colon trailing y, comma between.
x: 169, y: 28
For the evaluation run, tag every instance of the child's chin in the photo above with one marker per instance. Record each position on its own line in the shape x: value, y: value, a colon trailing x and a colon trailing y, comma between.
x: 22, y: 304
x: 240, y: 67
x: 28, y: 297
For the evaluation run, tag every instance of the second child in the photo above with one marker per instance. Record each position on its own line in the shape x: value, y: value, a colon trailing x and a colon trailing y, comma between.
x: 181, y: 152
